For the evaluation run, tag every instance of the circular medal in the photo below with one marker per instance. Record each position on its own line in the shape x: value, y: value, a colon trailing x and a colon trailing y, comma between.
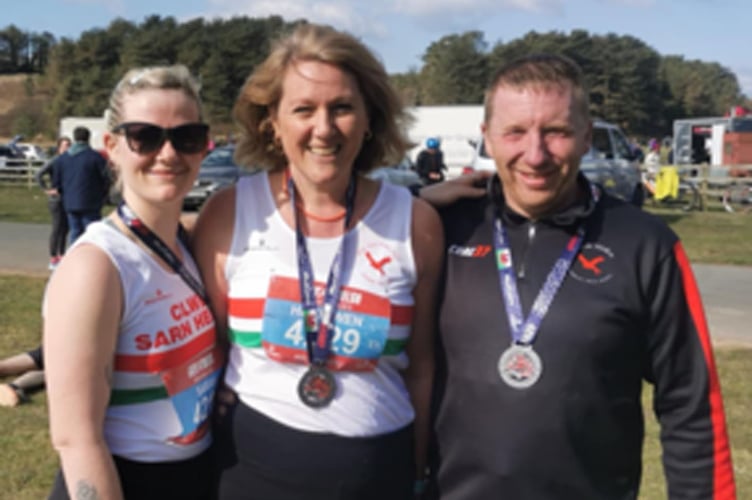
x: 317, y: 387
x: 519, y: 366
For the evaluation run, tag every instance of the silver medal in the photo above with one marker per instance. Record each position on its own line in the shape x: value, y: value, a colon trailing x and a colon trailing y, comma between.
x: 519, y: 366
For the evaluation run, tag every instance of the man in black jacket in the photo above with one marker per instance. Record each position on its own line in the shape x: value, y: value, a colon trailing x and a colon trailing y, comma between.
x: 82, y: 178
x: 559, y: 301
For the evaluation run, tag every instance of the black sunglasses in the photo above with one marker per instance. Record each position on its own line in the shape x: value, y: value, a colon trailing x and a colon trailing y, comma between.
x: 146, y: 138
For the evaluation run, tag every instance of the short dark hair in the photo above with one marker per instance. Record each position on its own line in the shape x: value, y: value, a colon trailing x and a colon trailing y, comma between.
x: 540, y: 70
x: 81, y: 134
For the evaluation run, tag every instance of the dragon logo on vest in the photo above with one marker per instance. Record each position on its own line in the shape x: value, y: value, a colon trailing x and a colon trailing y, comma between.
x: 378, y: 257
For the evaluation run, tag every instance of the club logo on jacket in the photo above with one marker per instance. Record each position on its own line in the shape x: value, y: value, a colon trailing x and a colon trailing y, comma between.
x: 593, y: 264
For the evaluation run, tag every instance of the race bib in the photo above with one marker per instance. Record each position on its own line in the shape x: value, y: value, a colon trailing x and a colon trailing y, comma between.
x: 362, y: 325
x: 190, y: 388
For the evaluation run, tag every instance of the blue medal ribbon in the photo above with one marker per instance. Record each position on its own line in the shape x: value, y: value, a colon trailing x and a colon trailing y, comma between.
x: 524, y: 330
x: 318, y: 323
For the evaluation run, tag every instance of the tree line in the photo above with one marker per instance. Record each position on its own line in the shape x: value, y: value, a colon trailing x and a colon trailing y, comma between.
x: 629, y: 82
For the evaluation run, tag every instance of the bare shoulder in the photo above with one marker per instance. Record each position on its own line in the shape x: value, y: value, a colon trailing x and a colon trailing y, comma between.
x: 84, y: 296
x: 215, y: 220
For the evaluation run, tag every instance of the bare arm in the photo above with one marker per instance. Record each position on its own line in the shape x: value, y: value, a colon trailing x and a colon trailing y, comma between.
x: 211, y: 238
x: 428, y: 248
x: 83, y: 306
x: 445, y: 193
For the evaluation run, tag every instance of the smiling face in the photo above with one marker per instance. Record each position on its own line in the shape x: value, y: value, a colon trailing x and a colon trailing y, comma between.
x: 536, y: 136
x: 321, y: 120
x: 164, y: 175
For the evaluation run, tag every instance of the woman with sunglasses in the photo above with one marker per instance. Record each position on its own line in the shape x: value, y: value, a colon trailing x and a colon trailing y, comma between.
x: 324, y: 281
x: 129, y: 341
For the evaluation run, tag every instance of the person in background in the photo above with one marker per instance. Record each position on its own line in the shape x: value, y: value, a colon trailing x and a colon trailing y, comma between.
x: 81, y: 177
x: 324, y: 282
x: 129, y: 340
x: 652, y: 162
x: 559, y: 302
x: 639, y: 154
x: 430, y: 162
x: 28, y: 367
x: 59, y: 234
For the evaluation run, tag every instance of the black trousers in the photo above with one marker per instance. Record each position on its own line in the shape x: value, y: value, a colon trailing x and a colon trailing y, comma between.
x: 59, y: 234
x: 261, y: 459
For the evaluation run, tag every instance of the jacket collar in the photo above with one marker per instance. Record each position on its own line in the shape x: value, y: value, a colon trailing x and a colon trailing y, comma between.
x: 580, y: 209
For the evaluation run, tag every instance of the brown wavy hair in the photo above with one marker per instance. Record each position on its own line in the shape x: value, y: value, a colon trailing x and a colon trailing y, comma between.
x: 262, y: 91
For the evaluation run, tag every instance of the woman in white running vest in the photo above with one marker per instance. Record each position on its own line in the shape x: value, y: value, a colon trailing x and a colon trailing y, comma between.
x: 129, y: 341
x: 324, y: 282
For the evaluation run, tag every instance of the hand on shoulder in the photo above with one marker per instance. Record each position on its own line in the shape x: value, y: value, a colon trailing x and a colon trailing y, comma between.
x: 465, y: 186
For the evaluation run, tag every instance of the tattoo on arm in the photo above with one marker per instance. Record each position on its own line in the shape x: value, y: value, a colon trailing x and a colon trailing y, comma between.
x: 85, y: 491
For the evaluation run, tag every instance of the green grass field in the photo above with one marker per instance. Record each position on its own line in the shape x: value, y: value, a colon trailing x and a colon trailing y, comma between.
x: 28, y: 463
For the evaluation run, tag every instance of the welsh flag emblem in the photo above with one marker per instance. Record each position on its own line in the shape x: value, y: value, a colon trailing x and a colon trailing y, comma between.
x: 310, y: 320
x: 503, y: 259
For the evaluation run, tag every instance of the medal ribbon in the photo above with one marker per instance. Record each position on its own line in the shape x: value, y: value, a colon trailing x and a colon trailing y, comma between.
x: 154, y: 243
x: 319, y: 323
x: 524, y: 330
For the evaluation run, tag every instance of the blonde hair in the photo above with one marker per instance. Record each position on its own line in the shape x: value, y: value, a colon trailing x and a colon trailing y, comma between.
x: 388, y: 120
x: 175, y: 77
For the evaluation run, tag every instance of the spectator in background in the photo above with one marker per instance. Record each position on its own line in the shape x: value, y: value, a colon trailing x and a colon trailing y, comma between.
x: 639, y: 154
x: 653, y: 159
x: 44, y: 178
x: 430, y: 163
x: 29, y: 368
x: 81, y: 177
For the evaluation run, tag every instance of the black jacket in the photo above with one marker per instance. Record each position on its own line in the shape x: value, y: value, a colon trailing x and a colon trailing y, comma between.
x: 628, y: 311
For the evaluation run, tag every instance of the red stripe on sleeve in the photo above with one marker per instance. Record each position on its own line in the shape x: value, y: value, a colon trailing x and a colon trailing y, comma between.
x: 723, y: 474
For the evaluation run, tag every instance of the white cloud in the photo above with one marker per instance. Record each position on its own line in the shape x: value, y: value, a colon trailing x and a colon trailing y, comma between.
x: 340, y: 13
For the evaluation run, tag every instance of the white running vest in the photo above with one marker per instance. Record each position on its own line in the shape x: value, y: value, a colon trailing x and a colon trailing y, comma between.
x: 268, y: 353
x: 166, y: 365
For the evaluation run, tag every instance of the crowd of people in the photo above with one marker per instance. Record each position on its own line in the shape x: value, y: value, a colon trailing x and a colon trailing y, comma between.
x: 478, y: 338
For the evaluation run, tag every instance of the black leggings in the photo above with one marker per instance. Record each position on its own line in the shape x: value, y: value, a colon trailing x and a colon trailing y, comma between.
x: 259, y: 458
x: 59, y: 234
x: 38, y: 358
x: 190, y: 479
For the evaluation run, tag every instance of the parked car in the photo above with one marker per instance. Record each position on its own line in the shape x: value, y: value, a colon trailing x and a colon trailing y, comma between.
x: 402, y: 174
x: 9, y: 156
x: 31, y: 151
x: 218, y: 169
x: 611, y: 162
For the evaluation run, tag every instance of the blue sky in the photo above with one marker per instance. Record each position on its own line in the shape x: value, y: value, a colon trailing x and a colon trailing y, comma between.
x: 400, y: 30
